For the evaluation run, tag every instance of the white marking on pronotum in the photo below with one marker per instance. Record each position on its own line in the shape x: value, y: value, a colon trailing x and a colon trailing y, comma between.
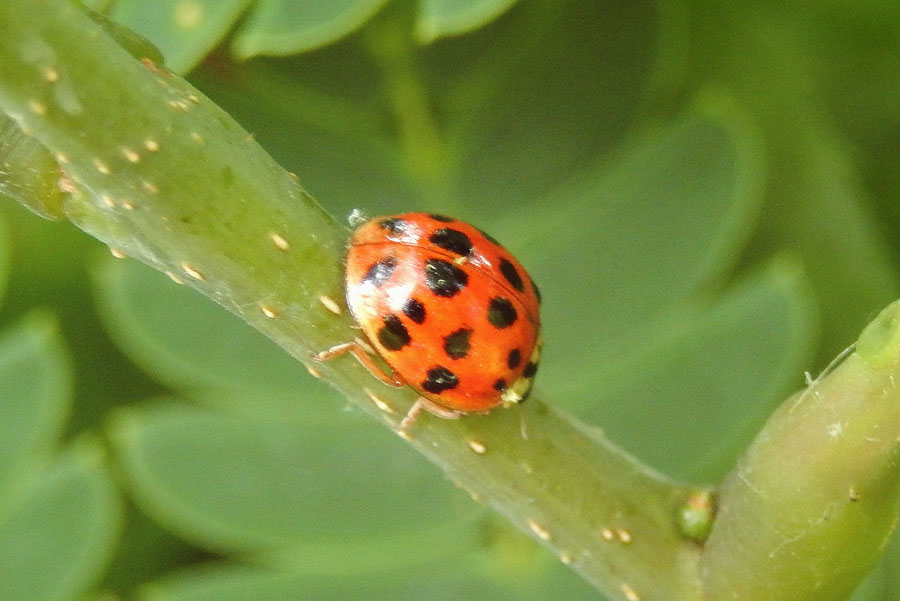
x: 151, y: 145
x: 268, y: 311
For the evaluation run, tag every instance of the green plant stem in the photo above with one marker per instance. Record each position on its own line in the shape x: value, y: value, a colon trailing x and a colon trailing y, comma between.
x: 159, y: 173
x: 812, y: 502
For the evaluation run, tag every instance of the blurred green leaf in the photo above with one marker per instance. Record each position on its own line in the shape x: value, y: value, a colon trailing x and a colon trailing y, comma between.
x: 536, y: 577
x: 191, y: 344
x: 441, y: 18
x: 815, y: 204
x: 280, y: 27
x: 521, y: 125
x: 295, y: 104
x: 854, y: 49
x: 694, y: 396
x: 627, y: 242
x: 185, y: 30
x: 98, y: 5
x: 59, y: 538
x: 147, y: 551
x: 35, y: 393
x: 497, y: 146
x: 314, y: 494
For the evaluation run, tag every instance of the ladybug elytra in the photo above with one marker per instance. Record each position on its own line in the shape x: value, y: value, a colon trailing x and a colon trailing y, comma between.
x: 450, y: 310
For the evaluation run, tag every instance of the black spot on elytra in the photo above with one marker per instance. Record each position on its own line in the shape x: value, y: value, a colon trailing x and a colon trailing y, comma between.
x: 380, y: 271
x: 444, y: 278
x: 414, y: 310
x: 456, y: 345
x: 394, y: 226
x: 537, y: 291
x: 438, y: 379
x: 500, y: 385
x: 514, y: 358
x: 512, y: 276
x: 442, y: 218
x: 530, y: 370
x: 501, y: 313
x: 453, y: 240
x: 393, y: 335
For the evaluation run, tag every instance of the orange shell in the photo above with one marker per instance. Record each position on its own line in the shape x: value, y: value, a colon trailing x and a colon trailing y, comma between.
x: 450, y: 310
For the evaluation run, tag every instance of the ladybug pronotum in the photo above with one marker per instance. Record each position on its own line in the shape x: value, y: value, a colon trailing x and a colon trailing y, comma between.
x: 450, y: 310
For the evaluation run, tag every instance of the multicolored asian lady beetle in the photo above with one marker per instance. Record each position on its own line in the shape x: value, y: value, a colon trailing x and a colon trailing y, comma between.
x: 450, y: 310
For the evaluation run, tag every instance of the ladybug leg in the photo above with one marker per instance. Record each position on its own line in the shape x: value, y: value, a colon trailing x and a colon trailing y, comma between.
x: 357, y: 350
x: 423, y: 404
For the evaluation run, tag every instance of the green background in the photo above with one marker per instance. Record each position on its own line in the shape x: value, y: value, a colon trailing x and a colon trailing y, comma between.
x: 707, y: 195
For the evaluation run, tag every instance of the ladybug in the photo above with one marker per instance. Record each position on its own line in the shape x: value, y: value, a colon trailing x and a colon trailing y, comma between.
x: 450, y: 310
